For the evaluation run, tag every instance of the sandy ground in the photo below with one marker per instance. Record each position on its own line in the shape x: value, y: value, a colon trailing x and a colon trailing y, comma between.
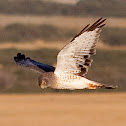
x: 63, y: 109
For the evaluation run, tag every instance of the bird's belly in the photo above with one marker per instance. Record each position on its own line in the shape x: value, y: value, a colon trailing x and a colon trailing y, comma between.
x: 71, y: 82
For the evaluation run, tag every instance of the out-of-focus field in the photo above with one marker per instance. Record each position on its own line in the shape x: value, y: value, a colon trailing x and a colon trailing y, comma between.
x: 31, y: 29
x: 87, y: 109
x: 42, y: 37
x: 108, y: 68
x: 39, y: 44
x: 64, y: 1
x: 60, y: 21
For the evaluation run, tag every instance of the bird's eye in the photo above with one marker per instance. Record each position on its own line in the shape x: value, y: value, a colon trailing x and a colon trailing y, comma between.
x: 43, y: 83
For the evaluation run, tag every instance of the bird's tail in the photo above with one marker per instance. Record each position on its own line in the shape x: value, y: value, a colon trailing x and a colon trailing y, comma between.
x: 95, y: 85
x: 109, y: 86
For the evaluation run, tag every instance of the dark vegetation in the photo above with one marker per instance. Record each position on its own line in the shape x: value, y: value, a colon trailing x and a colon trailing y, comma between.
x: 113, y: 8
x: 20, y: 32
x: 105, y: 8
x: 23, y: 33
x: 114, y: 36
x: 108, y: 67
x: 23, y: 79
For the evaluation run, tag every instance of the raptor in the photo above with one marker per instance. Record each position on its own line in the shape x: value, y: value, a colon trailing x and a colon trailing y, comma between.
x: 73, y: 62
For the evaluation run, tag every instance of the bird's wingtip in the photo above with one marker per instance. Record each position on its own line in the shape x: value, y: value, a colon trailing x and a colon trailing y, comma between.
x: 19, y: 57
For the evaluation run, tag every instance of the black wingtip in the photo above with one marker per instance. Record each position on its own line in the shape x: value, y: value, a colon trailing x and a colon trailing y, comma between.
x: 97, y: 24
x: 109, y: 87
x: 101, y: 26
x: 19, y: 57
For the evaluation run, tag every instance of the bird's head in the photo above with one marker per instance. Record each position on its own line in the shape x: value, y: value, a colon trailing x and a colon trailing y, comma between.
x: 43, y: 82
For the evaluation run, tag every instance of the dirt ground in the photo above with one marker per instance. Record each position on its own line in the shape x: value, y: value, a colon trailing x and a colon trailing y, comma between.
x: 87, y: 109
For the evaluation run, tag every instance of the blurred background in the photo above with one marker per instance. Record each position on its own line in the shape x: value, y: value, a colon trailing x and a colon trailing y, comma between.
x: 39, y: 29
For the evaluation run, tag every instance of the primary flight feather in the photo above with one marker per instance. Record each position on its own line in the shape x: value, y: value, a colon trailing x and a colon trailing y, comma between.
x: 73, y: 62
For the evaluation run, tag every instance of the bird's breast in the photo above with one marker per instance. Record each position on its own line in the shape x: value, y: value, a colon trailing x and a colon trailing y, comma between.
x: 66, y: 81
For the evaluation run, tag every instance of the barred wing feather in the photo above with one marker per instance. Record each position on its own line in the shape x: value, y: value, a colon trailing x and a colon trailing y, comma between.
x: 74, y: 58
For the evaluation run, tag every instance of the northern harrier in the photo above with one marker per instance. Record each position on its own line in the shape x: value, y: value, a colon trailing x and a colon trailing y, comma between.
x: 73, y: 62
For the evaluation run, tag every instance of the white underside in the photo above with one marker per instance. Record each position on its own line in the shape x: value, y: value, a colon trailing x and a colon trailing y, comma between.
x: 75, y: 82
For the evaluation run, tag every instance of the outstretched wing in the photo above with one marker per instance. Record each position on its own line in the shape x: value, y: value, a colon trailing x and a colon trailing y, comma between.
x: 31, y: 64
x: 74, y: 58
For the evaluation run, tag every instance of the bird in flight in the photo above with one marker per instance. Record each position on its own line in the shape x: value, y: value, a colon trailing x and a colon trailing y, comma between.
x: 73, y: 62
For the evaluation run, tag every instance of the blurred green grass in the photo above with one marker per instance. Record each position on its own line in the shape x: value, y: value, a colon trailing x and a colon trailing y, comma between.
x: 108, y: 67
x: 114, y: 36
x: 23, y: 33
